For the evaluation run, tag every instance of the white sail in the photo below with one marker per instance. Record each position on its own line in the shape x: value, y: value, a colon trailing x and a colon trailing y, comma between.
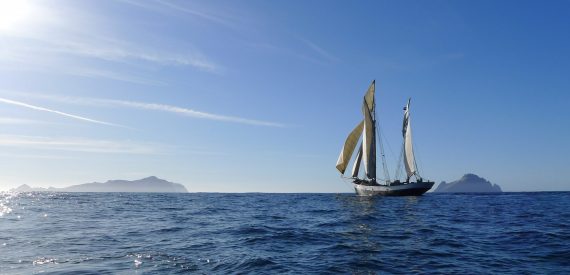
x: 348, y: 147
x: 409, y: 159
x: 356, y: 165
x: 368, y: 143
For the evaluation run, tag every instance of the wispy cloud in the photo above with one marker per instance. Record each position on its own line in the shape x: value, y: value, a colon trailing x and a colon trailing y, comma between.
x: 11, y: 120
x: 322, y: 52
x: 95, y: 73
x: 72, y: 32
x: 154, y: 107
x: 102, y: 48
x: 189, y: 112
x: 158, y: 6
x: 32, y: 156
x: 114, y: 50
x: 38, y: 108
x: 78, y: 145
x: 197, y: 13
x: 20, y: 61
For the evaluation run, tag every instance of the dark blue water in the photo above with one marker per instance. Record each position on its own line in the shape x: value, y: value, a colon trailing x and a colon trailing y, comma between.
x: 284, y: 233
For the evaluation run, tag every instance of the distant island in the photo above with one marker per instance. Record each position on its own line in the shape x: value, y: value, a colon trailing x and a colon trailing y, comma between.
x: 151, y: 185
x: 467, y: 184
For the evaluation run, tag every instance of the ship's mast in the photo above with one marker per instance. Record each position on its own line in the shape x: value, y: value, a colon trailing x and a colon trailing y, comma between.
x: 379, y: 138
x: 384, y: 165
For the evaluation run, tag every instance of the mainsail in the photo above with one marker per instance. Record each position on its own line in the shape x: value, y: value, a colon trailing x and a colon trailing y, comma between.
x: 409, y: 160
x: 368, y: 143
x: 348, y: 147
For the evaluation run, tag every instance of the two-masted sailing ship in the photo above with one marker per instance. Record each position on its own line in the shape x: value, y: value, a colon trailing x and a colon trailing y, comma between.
x: 370, y: 184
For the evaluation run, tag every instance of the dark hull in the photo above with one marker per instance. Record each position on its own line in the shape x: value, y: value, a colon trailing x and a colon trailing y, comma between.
x: 408, y: 189
x: 406, y: 192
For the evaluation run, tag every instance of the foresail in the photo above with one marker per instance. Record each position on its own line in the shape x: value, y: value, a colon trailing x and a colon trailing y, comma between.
x: 348, y: 147
x: 368, y: 143
x: 367, y: 150
x: 409, y: 159
x: 356, y: 165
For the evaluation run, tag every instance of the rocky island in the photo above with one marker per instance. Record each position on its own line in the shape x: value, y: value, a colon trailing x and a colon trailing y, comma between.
x: 469, y: 183
x: 150, y: 184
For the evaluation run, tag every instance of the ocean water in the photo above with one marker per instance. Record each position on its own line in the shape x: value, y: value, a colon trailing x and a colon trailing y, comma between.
x: 133, y: 233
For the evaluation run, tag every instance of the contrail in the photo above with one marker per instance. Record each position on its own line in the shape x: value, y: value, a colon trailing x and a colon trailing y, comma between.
x: 189, y: 112
x: 102, y: 102
x: 22, y: 104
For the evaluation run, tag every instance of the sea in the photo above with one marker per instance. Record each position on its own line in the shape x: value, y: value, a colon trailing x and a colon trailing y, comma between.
x: 257, y: 233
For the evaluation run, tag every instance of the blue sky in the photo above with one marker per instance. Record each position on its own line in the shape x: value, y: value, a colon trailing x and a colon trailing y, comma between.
x: 238, y: 96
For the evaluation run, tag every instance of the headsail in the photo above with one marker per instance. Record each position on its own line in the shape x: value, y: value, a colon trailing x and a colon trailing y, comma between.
x: 369, y: 143
x: 348, y: 147
x: 409, y: 159
x: 356, y: 165
x: 367, y: 150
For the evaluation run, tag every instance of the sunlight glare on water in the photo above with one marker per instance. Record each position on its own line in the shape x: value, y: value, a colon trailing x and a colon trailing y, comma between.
x: 284, y: 233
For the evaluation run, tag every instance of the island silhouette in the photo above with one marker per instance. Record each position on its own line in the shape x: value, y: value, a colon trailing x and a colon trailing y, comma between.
x: 469, y: 183
x: 150, y: 184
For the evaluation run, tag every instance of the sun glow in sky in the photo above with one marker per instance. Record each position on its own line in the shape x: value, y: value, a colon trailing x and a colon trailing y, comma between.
x: 14, y: 14
x: 238, y: 96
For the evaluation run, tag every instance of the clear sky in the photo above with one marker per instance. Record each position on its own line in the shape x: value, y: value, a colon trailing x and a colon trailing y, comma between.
x: 238, y: 96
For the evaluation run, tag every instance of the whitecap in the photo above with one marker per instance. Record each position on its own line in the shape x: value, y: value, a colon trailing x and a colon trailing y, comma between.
x: 43, y: 260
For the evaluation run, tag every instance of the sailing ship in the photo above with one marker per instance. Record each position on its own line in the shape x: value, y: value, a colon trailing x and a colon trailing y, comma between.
x: 370, y: 184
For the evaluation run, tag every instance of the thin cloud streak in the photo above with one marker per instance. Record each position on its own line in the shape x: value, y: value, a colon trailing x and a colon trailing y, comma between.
x: 190, y: 112
x: 120, y: 52
x: 102, y: 48
x: 152, y: 6
x: 153, y: 107
x: 320, y: 51
x: 196, y: 13
x: 77, y: 145
x: 22, y: 104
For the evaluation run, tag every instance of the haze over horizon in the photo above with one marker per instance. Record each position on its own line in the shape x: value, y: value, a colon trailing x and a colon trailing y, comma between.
x: 258, y: 96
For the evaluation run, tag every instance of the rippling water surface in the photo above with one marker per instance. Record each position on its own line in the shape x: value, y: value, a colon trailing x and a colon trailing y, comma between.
x: 284, y: 233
